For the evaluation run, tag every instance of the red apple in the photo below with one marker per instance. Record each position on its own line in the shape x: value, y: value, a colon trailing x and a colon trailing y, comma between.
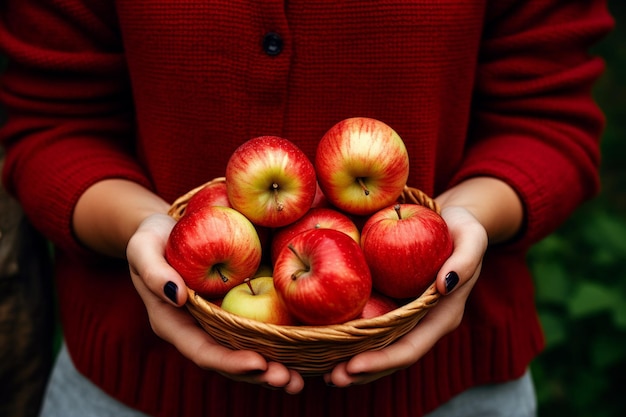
x: 377, y: 305
x: 320, y: 199
x: 362, y: 165
x: 215, y: 194
x: 257, y: 299
x: 212, y: 194
x: 216, y: 301
x: 322, y: 277
x: 213, y: 248
x: 405, y: 245
x: 316, y: 218
x: 271, y: 181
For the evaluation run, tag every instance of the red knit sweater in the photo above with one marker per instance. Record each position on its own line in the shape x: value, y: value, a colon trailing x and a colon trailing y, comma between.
x: 161, y: 92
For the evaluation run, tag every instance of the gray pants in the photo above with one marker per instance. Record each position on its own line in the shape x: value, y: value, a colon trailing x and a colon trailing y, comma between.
x: 71, y: 395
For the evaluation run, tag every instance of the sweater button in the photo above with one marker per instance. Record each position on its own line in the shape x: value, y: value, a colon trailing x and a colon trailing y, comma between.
x: 272, y: 44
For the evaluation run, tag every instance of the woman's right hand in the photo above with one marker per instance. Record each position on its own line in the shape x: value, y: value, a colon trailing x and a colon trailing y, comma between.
x: 151, y: 274
x: 121, y: 218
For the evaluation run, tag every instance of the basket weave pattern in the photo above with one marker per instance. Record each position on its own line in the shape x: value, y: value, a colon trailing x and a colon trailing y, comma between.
x: 311, y: 350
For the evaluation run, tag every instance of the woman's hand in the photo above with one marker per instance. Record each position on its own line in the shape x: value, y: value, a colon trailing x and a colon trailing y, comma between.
x: 151, y: 274
x: 459, y: 272
x: 478, y: 211
x: 120, y: 218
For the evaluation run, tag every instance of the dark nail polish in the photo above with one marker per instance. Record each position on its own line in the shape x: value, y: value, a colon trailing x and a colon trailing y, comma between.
x: 452, y: 278
x: 170, y: 289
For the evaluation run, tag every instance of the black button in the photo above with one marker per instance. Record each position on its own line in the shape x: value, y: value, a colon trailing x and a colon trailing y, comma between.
x: 272, y: 43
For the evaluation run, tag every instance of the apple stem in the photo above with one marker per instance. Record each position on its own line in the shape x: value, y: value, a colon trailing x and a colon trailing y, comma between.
x: 397, y: 209
x: 279, y: 205
x: 224, y: 277
x: 362, y: 184
x: 299, y: 272
x: 247, y: 281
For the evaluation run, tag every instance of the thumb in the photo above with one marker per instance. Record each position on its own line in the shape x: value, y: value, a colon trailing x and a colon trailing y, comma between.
x: 148, y: 266
x: 470, y: 243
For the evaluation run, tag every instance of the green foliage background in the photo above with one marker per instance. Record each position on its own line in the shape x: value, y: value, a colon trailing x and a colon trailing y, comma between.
x: 580, y: 272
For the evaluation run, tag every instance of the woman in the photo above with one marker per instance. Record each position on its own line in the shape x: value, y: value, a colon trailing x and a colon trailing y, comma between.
x: 116, y: 108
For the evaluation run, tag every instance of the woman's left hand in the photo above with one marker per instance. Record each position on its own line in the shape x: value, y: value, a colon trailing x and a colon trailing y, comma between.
x: 470, y: 243
x: 478, y: 211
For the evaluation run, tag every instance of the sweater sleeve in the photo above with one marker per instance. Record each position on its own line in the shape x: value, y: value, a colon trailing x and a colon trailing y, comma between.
x: 534, y: 123
x: 68, y: 109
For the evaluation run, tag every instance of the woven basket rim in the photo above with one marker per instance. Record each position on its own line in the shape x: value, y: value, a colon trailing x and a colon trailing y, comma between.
x: 309, y: 349
x: 362, y: 326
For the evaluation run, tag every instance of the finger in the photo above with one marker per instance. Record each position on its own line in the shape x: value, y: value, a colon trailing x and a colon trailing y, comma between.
x: 179, y: 328
x: 440, y: 320
x: 338, y: 377
x: 279, y: 376
x: 295, y: 384
x: 470, y: 242
x: 372, y: 365
x: 145, y: 258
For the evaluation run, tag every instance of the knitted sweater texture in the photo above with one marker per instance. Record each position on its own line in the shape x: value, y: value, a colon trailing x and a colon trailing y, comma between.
x: 161, y: 92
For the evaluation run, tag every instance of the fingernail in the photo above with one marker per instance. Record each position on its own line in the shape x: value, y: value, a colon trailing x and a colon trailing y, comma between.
x: 170, y: 289
x: 452, y: 278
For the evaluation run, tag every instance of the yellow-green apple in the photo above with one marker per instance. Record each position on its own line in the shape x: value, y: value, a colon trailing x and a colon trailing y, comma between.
x: 213, y: 248
x: 212, y: 194
x: 315, y: 218
x: 362, y: 165
x: 257, y: 299
x: 322, y: 277
x: 405, y: 245
x: 377, y: 305
x: 271, y: 181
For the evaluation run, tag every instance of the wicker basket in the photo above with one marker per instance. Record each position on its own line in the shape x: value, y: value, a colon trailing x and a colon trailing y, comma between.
x: 311, y: 350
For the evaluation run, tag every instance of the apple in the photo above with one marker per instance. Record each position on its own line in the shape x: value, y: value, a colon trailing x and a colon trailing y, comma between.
x: 271, y: 181
x: 257, y: 299
x: 215, y: 194
x: 213, y: 248
x: 320, y: 199
x: 315, y: 218
x: 377, y: 305
x: 405, y: 245
x: 212, y: 194
x: 322, y: 277
x: 216, y: 301
x: 362, y: 165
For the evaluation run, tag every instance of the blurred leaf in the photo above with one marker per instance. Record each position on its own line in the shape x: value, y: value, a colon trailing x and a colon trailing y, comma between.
x: 608, y: 232
x: 554, y: 329
x: 587, y: 386
x: 619, y: 315
x: 606, y: 351
x: 591, y: 298
x: 551, y: 282
x: 552, y: 245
